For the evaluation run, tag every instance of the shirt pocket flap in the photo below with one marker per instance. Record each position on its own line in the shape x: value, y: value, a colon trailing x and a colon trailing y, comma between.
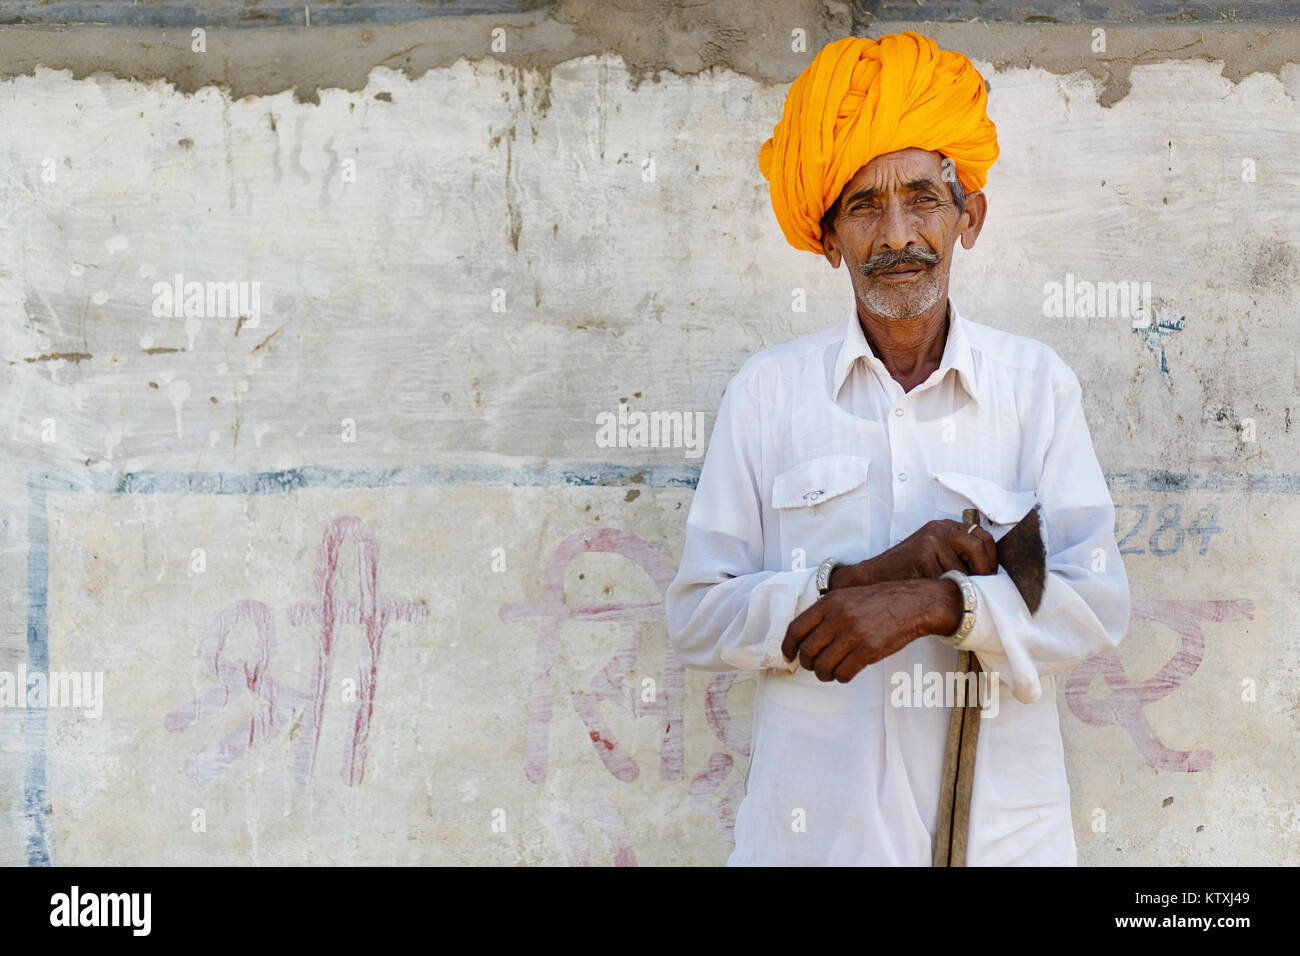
x: 996, y: 503
x: 817, y: 480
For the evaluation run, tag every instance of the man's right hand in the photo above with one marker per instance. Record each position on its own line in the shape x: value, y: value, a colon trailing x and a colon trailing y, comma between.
x: 936, y: 547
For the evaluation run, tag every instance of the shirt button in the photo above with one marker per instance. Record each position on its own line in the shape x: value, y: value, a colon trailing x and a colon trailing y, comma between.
x: 902, y: 476
x: 898, y: 411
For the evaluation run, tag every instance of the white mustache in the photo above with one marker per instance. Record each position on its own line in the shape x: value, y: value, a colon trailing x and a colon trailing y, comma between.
x: 885, y: 260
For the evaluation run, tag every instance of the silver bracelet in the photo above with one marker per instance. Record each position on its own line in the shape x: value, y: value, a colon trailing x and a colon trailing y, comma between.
x: 970, y: 602
x: 824, y: 574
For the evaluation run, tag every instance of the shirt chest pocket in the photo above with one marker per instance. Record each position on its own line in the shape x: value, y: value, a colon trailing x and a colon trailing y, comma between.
x: 823, y: 509
x: 1001, y: 507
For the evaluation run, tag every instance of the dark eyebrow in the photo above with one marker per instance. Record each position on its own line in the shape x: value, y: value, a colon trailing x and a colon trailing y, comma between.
x: 923, y: 183
x: 870, y: 192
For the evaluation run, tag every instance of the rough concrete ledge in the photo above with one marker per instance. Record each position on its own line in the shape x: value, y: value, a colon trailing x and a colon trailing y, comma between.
x: 771, y: 44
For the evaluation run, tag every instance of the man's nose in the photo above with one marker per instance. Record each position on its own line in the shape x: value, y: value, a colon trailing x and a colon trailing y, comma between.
x: 896, y: 227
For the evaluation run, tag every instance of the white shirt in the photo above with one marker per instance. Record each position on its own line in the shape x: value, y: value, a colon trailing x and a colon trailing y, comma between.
x: 817, y: 452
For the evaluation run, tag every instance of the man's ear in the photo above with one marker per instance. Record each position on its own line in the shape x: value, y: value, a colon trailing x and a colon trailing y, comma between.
x: 977, y: 207
x: 830, y: 247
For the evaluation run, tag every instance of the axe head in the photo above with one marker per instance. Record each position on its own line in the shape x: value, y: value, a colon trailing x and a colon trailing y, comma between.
x: 1022, y: 552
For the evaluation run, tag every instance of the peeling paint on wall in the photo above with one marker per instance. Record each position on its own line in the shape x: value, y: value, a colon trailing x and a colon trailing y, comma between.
x: 768, y: 43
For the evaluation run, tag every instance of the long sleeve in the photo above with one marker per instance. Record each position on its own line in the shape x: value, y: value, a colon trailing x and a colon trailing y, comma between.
x: 1085, y: 607
x: 725, y: 610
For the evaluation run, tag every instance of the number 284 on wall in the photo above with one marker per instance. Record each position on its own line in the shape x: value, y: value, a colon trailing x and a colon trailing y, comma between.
x: 1163, y: 531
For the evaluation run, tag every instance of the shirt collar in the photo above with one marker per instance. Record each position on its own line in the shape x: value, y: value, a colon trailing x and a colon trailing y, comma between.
x: 957, y: 353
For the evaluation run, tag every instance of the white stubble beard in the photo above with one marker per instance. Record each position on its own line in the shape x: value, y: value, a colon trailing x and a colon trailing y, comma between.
x: 898, y: 305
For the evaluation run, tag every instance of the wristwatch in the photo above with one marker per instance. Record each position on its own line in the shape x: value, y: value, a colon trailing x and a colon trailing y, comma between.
x: 970, y: 601
x: 824, y: 574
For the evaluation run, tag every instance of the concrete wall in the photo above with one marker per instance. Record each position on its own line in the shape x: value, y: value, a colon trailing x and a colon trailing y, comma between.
x: 463, y: 257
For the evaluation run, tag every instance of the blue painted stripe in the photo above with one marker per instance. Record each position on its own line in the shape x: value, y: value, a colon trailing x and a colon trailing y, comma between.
x: 35, y: 799
x: 1156, y: 479
x: 576, y: 474
x: 547, y: 474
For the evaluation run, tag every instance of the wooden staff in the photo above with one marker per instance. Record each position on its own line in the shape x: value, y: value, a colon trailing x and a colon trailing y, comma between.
x: 959, y: 758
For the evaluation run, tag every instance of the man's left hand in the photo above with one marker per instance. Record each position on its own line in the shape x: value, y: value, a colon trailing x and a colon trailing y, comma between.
x: 852, y: 628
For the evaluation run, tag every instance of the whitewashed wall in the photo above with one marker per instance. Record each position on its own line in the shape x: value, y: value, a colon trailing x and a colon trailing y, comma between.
x: 461, y: 272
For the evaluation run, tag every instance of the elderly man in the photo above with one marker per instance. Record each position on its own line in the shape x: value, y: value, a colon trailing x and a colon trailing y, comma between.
x: 823, y: 546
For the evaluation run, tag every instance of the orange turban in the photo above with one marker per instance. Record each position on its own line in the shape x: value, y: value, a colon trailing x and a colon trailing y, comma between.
x: 860, y: 99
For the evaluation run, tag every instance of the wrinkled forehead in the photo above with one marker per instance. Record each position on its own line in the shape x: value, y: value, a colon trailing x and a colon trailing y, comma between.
x: 894, y: 170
